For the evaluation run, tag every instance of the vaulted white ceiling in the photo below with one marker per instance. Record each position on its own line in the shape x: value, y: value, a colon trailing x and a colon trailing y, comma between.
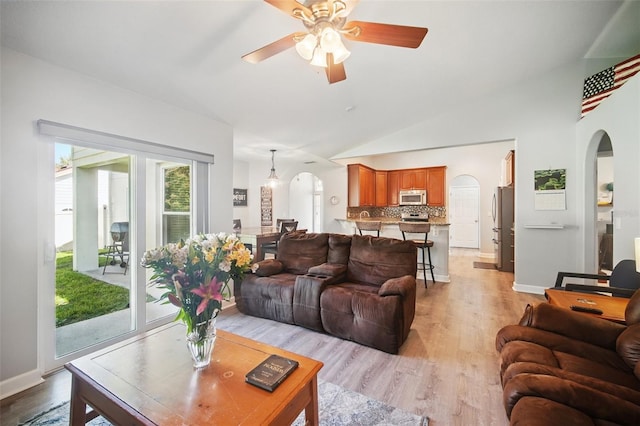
x: 187, y: 53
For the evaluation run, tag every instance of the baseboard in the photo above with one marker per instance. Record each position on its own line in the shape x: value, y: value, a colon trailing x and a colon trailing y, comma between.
x: 487, y: 256
x: 443, y: 278
x: 19, y: 383
x: 525, y: 288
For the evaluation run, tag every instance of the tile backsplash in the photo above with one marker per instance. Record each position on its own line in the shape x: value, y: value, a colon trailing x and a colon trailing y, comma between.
x: 354, y: 212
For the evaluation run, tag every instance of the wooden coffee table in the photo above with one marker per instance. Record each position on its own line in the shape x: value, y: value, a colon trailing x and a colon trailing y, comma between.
x: 612, y: 307
x: 150, y: 380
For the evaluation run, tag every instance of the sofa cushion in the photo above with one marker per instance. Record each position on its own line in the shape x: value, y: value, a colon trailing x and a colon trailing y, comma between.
x: 299, y: 251
x: 375, y: 260
x: 267, y: 297
x: 356, y: 312
x: 602, y: 369
x: 628, y: 345
x: 593, y: 403
x: 539, y: 411
x: 339, y: 248
x: 559, y: 343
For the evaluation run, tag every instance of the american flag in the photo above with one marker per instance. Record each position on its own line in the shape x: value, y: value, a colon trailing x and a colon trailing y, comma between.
x: 599, y: 86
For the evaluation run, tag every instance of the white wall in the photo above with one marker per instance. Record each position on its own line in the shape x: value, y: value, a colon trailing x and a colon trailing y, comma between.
x: 333, y: 176
x: 32, y: 90
x: 619, y: 117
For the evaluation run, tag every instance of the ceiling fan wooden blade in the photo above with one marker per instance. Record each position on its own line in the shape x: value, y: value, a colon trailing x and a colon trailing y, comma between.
x: 393, y: 35
x: 271, y: 49
x: 335, y: 72
x: 288, y: 6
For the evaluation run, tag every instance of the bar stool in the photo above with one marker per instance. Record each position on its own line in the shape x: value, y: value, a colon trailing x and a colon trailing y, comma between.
x: 422, y: 244
x: 369, y: 225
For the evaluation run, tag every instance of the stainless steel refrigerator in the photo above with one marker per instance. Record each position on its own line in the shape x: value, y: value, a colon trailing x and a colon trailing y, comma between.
x: 503, y: 236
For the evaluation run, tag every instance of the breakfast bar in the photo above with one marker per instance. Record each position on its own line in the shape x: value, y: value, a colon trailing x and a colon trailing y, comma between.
x: 439, y: 234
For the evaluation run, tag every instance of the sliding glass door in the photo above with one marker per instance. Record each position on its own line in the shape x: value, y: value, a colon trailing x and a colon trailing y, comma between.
x: 109, y: 208
x: 93, y: 274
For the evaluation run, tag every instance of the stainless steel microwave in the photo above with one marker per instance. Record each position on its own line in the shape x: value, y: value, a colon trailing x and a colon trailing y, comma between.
x: 413, y: 197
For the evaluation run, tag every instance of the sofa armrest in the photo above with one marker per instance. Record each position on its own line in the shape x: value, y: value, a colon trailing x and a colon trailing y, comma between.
x: 332, y: 270
x: 306, y: 300
x: 268, y: 267
x: 400, y: 286
x: 628, y: 347
x: 596, y: 331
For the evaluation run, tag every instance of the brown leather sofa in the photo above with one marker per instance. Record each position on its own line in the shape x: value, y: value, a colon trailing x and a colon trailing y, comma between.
x: 359, y: 288
x: 560, y: 367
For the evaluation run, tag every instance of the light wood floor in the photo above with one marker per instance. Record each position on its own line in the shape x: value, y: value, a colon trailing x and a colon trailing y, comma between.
x: 447, y: 370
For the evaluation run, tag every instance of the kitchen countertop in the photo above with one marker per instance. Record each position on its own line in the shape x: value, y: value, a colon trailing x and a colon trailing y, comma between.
x: 386, y: 220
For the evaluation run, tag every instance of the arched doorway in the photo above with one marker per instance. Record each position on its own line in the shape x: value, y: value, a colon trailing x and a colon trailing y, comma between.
x: 604, y: 191
x: 597, y: 175
x: 305, y: 201
x: 464, y: 212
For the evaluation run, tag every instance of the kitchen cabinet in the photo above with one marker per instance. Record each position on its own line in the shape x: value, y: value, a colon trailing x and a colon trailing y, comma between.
x: 510, y: 168
x: 413, y: 179
x: 380, y: 188
x: 436, y: 186
x: 393, y: 187
x: 361, y: 189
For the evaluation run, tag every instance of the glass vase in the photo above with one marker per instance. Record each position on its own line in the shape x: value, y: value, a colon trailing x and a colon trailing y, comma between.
x: 201, y: 341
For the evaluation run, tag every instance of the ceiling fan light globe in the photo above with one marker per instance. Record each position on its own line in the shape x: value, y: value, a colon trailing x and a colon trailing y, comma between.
x: 319, y: 58
x: 305, y: 46
x: 330, y: 40
x: 340, y: 55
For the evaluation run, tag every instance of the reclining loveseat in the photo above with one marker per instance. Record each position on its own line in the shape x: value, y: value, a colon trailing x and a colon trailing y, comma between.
x: 560, y: 367
x: 359, y: 288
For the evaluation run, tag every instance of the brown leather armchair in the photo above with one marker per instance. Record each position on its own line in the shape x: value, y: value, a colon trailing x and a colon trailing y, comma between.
x: 563, y: 367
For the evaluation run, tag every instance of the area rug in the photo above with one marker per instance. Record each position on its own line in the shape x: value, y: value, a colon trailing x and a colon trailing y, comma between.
x: 484, y: 265
x: 337, y: 406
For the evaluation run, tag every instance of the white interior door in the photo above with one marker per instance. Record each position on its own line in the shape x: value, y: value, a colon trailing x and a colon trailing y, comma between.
x: 464, y: 214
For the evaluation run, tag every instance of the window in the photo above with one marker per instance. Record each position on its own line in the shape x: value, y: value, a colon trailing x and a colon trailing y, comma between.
x: 176, y: 211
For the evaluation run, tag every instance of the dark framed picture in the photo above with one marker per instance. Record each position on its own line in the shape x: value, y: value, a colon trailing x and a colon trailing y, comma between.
x: 239, y: 197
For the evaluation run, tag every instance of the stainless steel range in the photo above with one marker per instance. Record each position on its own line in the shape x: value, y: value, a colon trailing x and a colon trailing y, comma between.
x: 414, y: 217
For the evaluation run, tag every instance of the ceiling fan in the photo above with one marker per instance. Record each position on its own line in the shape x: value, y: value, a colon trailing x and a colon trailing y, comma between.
x: 326, y: 23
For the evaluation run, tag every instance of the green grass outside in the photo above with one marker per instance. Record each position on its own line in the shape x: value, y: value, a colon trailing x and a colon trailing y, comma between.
x: 80, y: 297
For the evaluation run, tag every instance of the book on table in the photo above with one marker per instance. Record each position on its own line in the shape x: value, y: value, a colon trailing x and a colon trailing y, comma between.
x: 271, y: 372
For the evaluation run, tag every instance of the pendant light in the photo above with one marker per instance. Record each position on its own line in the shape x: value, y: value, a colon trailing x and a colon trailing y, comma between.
x: 272, y: 180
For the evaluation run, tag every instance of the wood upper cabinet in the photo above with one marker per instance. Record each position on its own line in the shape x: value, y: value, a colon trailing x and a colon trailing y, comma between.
x: 361, y: 189
x: 436, y: 186
x: 381, y: 189
x: 393, y: 187
x: 413, y: 179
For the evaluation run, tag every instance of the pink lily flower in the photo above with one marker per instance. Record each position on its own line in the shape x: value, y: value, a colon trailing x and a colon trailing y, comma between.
x: 208, y: 292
